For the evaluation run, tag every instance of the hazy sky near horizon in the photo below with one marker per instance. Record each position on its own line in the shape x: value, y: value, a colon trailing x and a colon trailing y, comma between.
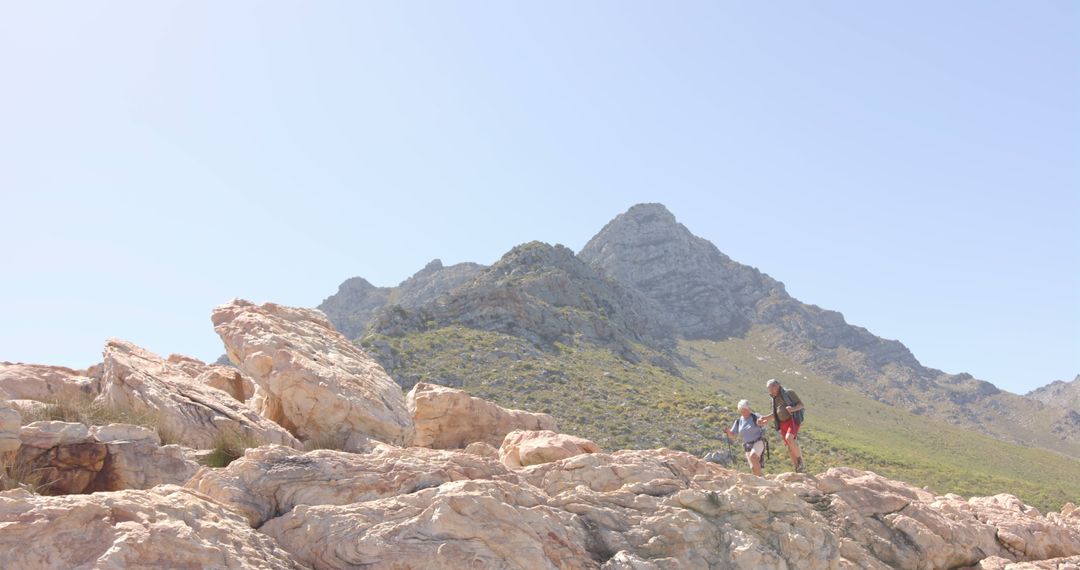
x: 914, y: 165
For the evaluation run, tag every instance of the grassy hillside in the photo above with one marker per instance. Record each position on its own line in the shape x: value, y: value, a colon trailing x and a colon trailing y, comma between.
x: 850, y: 427
x: 593, y: 393
x: 959, y: 400
x: 589, y: 390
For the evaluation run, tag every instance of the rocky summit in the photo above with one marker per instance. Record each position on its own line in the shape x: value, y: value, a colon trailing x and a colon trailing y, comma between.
x: 145, y: 463
x: 704, y: 293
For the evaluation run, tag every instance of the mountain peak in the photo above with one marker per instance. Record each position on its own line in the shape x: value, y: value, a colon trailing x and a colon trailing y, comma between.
x: 650, y: 211
x: 707, y: 294
x: 642, y: 223
x: 357, y: 285
x: 538, y: 254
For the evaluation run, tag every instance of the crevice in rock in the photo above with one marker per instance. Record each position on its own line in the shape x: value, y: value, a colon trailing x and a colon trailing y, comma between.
x: 595, y: 544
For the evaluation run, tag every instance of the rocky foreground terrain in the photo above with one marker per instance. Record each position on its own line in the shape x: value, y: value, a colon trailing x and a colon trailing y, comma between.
x: 334, y: 466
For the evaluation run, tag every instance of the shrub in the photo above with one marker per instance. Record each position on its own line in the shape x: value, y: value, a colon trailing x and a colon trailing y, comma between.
x: 324, y: 442
x: 228, y: 447
x: 18, y: 473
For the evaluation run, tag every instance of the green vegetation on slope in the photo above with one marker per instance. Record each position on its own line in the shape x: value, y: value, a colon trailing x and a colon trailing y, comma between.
x: 590, y: 391
x: 852, y: 429
x: 595, y: 394
x: 958, y: 400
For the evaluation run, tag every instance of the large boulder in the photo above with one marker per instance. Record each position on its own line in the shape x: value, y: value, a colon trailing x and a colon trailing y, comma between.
x: 310, y: 378
x: 165, y: 527
x: 269, y: 481
x: 522, y: 448
x: 136, y: 459
x: 60, y: 458
x: 46, y: 383
x: 197, y: 416
x: 446, y: 418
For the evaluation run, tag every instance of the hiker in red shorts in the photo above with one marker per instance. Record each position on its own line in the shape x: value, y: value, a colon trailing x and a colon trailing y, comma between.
x: 787, y: 413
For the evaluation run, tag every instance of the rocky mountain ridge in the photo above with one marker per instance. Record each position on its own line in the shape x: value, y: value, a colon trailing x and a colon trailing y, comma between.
x: 545, y: 295
x: 1059, y: 394
x: 357, y: 301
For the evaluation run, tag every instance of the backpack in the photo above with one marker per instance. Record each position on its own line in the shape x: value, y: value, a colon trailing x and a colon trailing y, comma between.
x: 753, y: 418
x: 799, y: 415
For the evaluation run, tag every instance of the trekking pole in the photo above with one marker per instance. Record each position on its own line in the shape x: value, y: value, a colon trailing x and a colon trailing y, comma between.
x: 732, y: 453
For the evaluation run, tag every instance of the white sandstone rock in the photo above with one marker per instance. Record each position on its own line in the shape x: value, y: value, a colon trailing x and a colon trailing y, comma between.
x: 446, y: 418
x: 310, y: 378
x: 141, y: 382
x: 522, y: 448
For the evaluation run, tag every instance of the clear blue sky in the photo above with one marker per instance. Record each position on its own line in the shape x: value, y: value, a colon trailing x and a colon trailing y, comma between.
x: 914, y: 165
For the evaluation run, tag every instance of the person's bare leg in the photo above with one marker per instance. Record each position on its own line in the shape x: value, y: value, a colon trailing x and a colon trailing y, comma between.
x: 755, y: 465
x: 793, y: 449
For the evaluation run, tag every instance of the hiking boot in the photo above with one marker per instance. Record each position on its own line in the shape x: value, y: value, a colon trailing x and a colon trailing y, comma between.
x: 799, y: 468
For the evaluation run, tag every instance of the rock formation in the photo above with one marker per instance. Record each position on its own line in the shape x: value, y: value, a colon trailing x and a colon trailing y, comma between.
x: 165, y: 527
x: 269, y: 481
x: 310, y: 378
x: 445, y: 418
x: 136, y: 459
x: 68, y: 458
x: 881, y: 520
x: 60, y: 457
x: 462, y: 524
x: 197, y: 415
x: 628, y: 509
x: 522, y: 448
x: 46, y: 383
